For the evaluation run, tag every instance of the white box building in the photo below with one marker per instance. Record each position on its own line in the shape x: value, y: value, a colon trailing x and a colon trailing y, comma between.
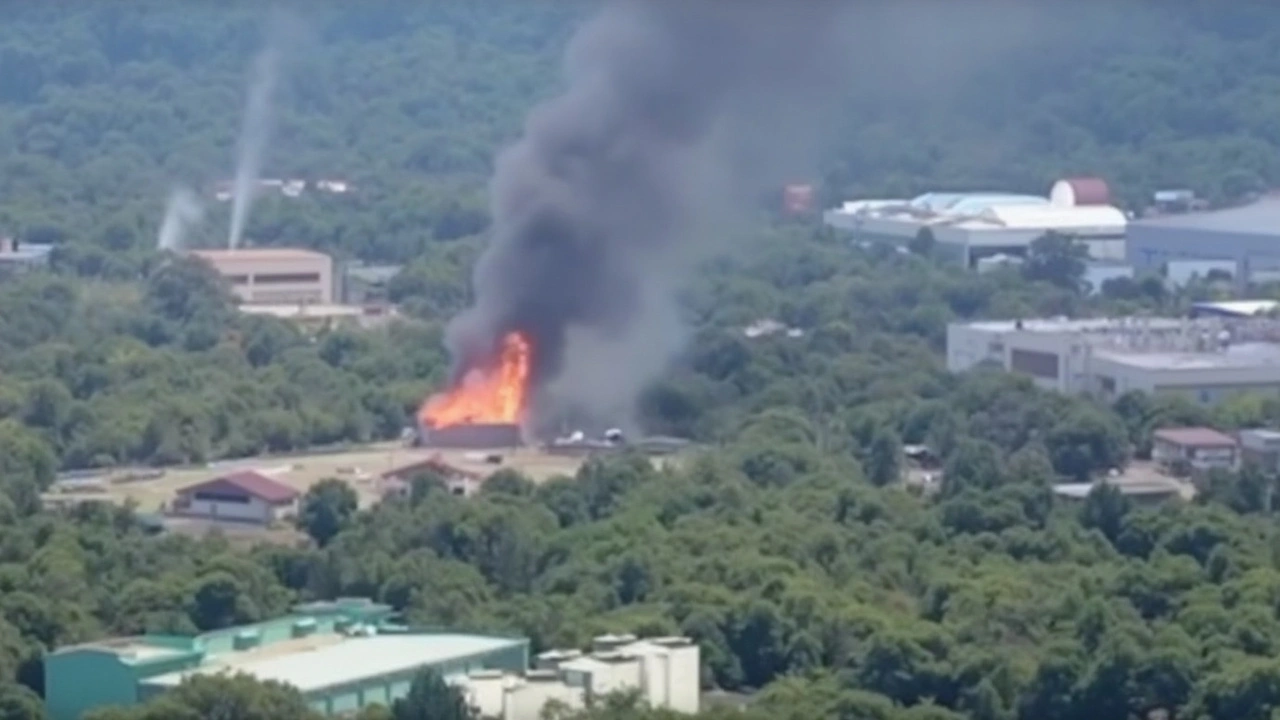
x: 1207, y: 360
x: 274, y: 276
x: 665, y: 671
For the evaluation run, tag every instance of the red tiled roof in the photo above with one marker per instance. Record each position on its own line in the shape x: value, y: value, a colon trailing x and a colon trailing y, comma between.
x: 252, y: 483
x: 1195, y: 437
x: 435, y: 463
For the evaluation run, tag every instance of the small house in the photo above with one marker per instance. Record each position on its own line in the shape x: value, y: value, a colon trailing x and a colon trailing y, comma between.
x: 245, y: 496
x: 1194, y: 449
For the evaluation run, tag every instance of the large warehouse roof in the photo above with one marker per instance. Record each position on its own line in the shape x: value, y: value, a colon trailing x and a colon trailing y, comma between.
x: 264, y: 253
x: 324, y: 661
x: 1259, y: 218
x: 1051, y: 217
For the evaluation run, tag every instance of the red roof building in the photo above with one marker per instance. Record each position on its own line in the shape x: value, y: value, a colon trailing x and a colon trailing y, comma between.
x: 244, y: 496
x: 458, y: 480
x: 1195, y: 449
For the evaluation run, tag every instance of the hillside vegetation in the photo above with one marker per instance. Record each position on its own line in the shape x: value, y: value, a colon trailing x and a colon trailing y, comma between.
x: 789, y: 548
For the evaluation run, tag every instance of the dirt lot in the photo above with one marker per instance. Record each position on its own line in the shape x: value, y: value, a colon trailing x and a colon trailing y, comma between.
x: 360, y: 468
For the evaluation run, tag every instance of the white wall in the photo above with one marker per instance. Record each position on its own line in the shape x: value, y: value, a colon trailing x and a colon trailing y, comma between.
x: 253, y: 511
x: 527, y: 700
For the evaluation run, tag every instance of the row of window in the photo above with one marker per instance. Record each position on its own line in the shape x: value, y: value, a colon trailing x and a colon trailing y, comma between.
x: 221, y: 497
x: 274, y: 279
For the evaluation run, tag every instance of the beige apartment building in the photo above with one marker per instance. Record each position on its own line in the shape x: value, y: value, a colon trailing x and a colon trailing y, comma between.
x: 275, y: 276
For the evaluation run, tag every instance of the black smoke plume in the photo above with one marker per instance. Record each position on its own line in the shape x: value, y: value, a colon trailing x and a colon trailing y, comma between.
x: 674, y: 110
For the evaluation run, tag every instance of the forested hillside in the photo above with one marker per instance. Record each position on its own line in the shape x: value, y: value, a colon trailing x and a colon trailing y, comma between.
x: 787, y: 548
x: 104, y: 106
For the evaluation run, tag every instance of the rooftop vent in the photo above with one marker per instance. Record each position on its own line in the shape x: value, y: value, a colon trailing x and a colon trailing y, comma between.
x: 304, y: 627
x: 246, y: 639
x: 606, y: 643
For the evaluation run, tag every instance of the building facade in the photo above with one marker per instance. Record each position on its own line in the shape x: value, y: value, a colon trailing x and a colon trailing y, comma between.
x: 244, y: 496
x: 341, y: 655
x: 274, y: 276
x: 1207, y: 360
x: 1260, y: 449
x: 398, y: 482
x: 19, y: 257
x: 1245, y: 239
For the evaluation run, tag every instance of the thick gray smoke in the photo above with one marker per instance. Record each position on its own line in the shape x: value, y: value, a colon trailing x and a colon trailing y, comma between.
x: 183, y: 212
x: 674, y: 111
x: 254, y: 137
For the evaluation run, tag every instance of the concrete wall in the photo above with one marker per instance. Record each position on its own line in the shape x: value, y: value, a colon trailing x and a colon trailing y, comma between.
x: 255, y: 510
x: 267, y: 276
x: 473, y: 437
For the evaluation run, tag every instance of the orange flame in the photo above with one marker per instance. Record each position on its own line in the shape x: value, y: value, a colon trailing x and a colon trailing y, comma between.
x: 486, y: 395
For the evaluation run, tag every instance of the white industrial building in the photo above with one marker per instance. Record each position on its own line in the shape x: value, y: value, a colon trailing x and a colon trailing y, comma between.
x: 973, y: 226
x: 1206, y: 359
x: 666, y: 672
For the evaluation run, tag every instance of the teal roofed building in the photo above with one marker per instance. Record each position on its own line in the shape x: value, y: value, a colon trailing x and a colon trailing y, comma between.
x: 341, y: 655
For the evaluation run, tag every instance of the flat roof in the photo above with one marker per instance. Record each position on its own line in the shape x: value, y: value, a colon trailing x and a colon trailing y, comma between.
x: 217, y: 254
x: 1245, y: 355
x: 323, y: 661
x: 1259, y: 218
x: 297, y: 311
x: 1239, y: 307
x: 1060, y: 325
x: 128, y: 649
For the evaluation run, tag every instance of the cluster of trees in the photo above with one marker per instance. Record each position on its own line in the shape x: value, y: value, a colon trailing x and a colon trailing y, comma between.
x: 788, y: 548
x: 808, y: 574
x: 103, y: 108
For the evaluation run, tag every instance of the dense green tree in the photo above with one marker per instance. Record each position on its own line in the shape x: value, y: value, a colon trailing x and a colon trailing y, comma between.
x: 326, y: 508
x: 884, y: 458
x: 1057, y: 259
x: 431, y: 698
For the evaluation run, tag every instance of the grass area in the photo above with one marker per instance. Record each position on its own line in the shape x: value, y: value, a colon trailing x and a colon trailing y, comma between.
x: 360, y: 468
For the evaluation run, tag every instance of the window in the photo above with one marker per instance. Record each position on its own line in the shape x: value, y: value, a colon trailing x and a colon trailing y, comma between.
x: 282, y: 278
x: 1035, y: 364
x: 287, y: 296
x: 221, y: 497
x: 238, y: 279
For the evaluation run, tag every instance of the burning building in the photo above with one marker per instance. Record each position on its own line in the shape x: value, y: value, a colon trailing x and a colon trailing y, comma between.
x: 486, y: 407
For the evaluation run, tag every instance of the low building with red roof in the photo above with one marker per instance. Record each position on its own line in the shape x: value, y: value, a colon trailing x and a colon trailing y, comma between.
x: 459, y: 481
x: 243, y: 496
x: 1194, y: 449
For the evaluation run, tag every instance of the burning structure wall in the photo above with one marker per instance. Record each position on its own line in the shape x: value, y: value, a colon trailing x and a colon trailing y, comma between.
x: 472, y: 436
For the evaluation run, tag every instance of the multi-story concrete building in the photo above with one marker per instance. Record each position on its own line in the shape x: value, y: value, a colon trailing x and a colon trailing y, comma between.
x: 1206, y: 359
x: 341, y: 655
x: 274, y: 276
